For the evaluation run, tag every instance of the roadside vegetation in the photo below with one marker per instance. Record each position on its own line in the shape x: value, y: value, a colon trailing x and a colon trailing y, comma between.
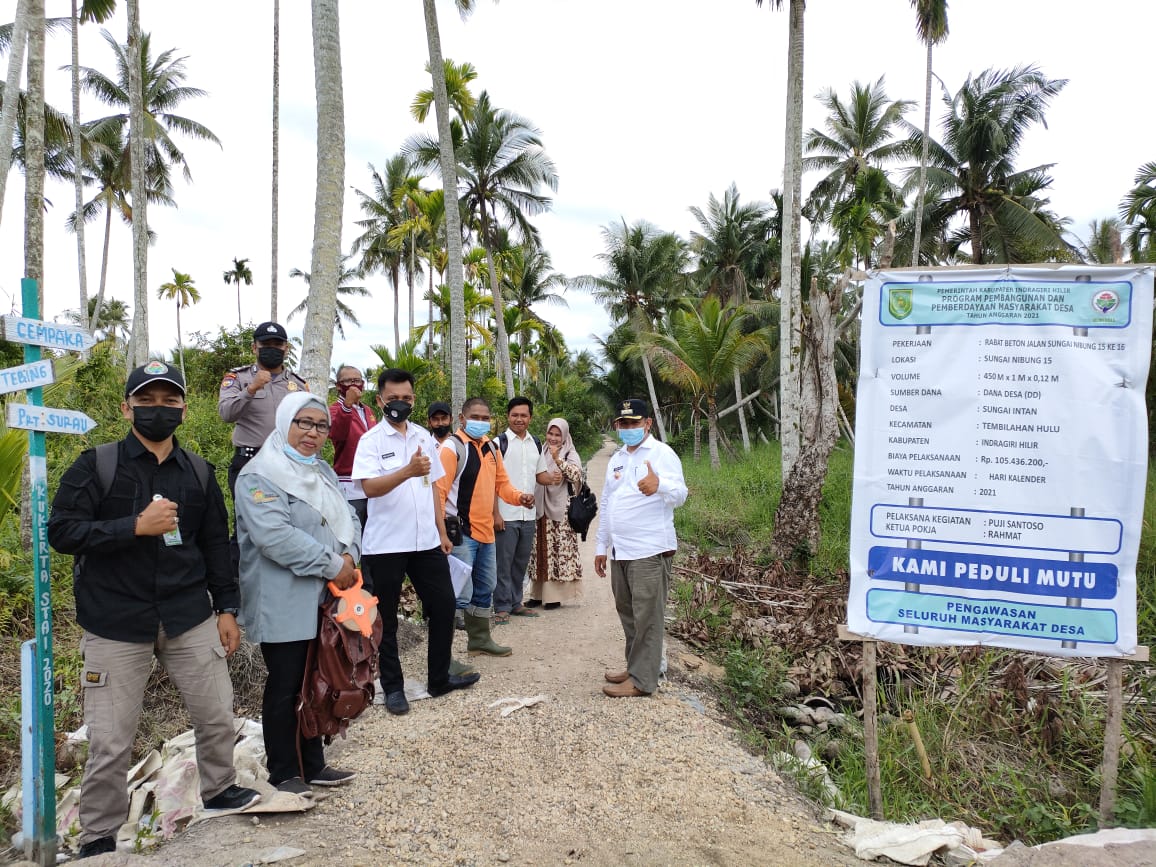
x: 1014, y: 740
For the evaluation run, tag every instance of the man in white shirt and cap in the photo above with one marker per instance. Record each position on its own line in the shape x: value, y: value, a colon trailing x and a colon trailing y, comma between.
x: 644, y: 485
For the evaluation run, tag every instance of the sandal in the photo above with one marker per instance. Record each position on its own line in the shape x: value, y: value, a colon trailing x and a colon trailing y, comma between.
x: 501, y: 618
x: 523, y: 611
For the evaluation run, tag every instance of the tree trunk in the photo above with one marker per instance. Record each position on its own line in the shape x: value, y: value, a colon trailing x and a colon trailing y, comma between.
x: 790, y: 317
x: 975, y: 223
x: 796, y: 534
x: 12, y: 85
x: 325, y: 271
x: 712, y: 434
x: 103, y: 270
x: 34, y: 150
x: 396, y: 311
x: 653, y: 398
x: 412, y: 266
x: 429, y: 311
x: 502, y: 355
x: 742, y: 412
x: 238, y: 303
x: 273, y: 266
x: 696, y: 423
x: 457, y: 334
x: 922, y: 164
x: 138, y: 352
x: 180, y: 342
x: 77, y: 163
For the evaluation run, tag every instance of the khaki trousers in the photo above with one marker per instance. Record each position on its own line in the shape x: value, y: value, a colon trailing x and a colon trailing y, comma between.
x: 114, y: 678
x: 640, y: 589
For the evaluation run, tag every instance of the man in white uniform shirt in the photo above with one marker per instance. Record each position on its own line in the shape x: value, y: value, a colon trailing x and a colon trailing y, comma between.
x: 405, y: 534
x: 514, y: 526
x: 644, y: 485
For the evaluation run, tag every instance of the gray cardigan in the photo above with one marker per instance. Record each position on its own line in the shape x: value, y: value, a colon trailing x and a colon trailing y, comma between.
x: 288, y: 553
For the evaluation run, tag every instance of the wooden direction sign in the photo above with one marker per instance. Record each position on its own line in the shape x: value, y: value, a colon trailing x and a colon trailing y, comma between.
x: 48, y: 419
x: 39, y: 333
x: 25, y: 376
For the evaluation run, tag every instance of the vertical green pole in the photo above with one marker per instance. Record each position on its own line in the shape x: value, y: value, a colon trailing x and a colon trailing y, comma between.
x: 44, y: 827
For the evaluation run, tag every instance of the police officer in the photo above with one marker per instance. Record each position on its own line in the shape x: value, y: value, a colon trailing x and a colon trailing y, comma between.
x: 251, y: 394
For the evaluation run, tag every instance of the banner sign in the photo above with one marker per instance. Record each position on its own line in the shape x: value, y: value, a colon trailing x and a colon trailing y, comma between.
x: 1001, y: 447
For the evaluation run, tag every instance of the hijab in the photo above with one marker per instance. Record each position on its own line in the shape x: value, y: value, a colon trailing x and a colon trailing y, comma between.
x: 556, y: 498
x: 314, y: 482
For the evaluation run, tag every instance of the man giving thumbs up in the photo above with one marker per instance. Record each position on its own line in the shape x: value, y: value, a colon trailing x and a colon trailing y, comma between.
x: 643, y: 487
x: 405, y: 534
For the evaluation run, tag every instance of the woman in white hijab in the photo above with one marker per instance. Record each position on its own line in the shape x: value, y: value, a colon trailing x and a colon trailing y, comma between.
x: 296, y: 531
x: 556, y: 567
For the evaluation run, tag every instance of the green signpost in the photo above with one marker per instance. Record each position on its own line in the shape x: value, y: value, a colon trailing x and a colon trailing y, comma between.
x: 38, y: 737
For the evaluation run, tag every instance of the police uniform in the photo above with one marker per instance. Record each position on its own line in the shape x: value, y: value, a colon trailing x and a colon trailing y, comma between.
x: 253, y: 415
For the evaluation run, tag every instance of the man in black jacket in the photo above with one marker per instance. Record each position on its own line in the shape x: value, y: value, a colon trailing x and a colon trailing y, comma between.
x: 150, y: 535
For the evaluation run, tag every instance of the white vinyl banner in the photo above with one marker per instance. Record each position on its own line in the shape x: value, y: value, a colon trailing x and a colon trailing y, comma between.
x: 1001, y: 447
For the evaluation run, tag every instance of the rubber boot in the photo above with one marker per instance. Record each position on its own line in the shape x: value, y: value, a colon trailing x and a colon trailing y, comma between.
x: 461, y: 668
x: 478, y: 629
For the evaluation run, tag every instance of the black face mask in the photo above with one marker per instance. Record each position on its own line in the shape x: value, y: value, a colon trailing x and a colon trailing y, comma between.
x: 270, y: 357
x: 442, y: 431
x: 397, y: 411
x: 157, y: 423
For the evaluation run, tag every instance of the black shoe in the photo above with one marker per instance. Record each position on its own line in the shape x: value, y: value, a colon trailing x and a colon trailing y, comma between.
x: 395, y: 703
x: 233, y: 798
x: 454, y: 681
x: 533, y: 603
x: 294, y: 786
x: 331, y: 777
x: 97, y: 847
x: 550, y: 606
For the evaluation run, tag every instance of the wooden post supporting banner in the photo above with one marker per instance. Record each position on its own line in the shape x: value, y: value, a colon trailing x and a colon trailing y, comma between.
x: 871, y: 732
x: 1112, y: 727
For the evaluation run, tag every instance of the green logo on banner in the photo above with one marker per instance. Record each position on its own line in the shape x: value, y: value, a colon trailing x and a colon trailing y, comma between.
x: 899, y: 302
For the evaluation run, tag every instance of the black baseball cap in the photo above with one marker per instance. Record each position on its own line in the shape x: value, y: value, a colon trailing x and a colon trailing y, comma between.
x: 269, y: 331
x: 154, y: 371
x: 439, y: 406
x: 633, y: 409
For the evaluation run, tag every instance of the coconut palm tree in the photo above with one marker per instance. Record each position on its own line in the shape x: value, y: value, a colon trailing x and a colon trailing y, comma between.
x: 790, y: 306
x: 732, y: 250
x: 858, y: 135
x: 98, y: 11
x: 181, y: 290
x: 529, y: 278
x: 931, y: 25
x: 1105, y: 244
x: 329, y: 198
x: 150, y: 90
x: 972, y: 173
x: 238, y: 274
x: 381, y: 246
x: 644, y: 269
x: 447, y: 162
x: 458, y: 77
x: 344, y: 313
x: 1138, y: 211
x: 424, y: 227
x: 503, y: 168
x: 34, y: 154
x: 111, y: 323
x: 700, y: 354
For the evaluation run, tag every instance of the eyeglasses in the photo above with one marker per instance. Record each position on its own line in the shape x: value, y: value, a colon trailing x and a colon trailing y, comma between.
x: 305, y: 424
x: 357, y: 382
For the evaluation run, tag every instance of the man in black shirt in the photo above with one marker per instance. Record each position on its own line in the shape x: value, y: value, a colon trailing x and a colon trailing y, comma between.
x: 152, y: 577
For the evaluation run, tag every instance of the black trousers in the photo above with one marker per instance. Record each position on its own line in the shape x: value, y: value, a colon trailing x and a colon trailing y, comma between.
x: 287, y: 754
x: 429, y: 572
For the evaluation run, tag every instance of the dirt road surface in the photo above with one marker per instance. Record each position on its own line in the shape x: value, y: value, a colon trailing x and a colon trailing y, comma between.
x: 577, y: 779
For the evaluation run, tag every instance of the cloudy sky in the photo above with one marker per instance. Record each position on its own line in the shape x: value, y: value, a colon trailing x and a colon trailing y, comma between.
x: 646, y: 107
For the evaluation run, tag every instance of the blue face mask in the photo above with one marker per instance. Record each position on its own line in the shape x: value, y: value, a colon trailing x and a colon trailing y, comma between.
x: 477, y: 429
x: 300, y: 458
x: 632, y: 436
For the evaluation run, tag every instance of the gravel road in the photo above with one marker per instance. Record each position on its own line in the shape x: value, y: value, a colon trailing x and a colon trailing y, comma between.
x: 577, y: 779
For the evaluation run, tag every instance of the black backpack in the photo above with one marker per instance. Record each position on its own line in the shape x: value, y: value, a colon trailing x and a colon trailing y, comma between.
x: 504, y: 443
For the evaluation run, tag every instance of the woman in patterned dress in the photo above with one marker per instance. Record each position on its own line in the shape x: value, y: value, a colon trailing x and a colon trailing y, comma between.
x: 556, y: 567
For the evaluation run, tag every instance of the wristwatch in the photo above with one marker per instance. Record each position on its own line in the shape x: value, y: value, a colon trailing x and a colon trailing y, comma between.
x: 233, y: 611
